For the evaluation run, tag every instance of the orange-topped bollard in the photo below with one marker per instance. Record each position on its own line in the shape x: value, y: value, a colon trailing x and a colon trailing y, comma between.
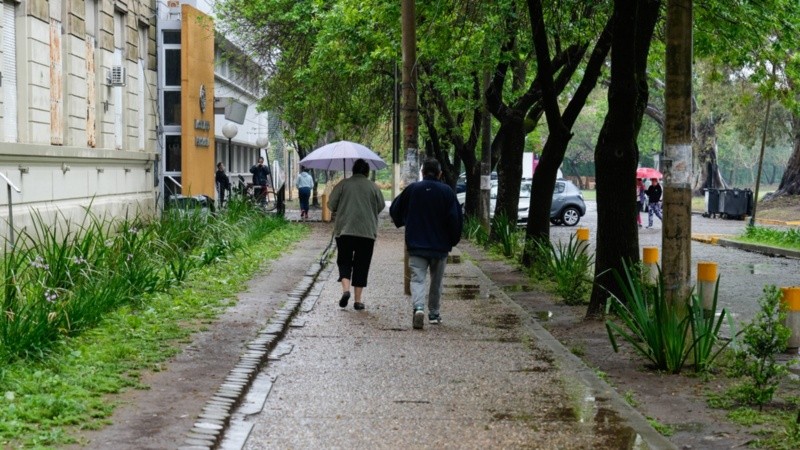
x: 582, y: 236
x: 650, y: 261
x: 326, y: 213
x: 706, y: 283
x: 791, y: 300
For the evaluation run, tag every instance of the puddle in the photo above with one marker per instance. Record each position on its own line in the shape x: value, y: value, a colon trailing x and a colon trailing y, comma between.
x: 759, y: 268
x: 615, y: 431
x: 544, y: 316
x: 606, y: 423
x: 507, y: 321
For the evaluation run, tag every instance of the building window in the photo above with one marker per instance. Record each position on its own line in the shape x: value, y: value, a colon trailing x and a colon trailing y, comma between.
x: 8, y: 72
x: 173, y: 153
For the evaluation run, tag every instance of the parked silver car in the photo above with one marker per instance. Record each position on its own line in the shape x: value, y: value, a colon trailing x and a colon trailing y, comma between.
x: 567, y: 206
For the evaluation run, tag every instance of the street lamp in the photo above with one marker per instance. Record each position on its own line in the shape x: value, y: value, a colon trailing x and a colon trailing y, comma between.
x: 229, y: 130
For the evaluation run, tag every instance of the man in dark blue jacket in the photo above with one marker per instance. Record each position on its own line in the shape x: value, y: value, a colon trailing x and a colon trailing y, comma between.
x: 432, y: 216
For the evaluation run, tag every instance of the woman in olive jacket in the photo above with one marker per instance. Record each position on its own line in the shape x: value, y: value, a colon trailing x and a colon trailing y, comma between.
x: 355, y: 203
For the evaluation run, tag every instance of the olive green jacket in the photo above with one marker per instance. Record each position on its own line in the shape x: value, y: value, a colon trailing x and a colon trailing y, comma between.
x: 356, y: 203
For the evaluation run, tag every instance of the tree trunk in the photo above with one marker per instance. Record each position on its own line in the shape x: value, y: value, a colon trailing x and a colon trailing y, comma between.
x: 705, y: 145
x: 617, y: 153
x: 790, y: 182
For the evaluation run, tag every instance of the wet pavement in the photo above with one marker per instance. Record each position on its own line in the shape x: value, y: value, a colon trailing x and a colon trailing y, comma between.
x: 743, y: 274
x: 488, y: 377
x: 319, y: 376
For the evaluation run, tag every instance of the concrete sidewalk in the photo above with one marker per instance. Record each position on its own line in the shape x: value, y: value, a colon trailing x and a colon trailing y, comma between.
x: 488, y: 377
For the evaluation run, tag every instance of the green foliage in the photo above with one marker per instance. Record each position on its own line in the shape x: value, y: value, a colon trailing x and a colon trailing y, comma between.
x: 508, y: 237
x: 475, y: 232
x: 664, y: 332
x: 62, y: 279
x: 568, y: 264
x: 705, y: 327
x: 789, y: 238
x: 42, y: 399
x: 664, y: 430
x: 763, y: 338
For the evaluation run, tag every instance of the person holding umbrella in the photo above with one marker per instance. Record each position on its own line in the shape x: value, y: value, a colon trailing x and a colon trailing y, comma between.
x: 355, y: 203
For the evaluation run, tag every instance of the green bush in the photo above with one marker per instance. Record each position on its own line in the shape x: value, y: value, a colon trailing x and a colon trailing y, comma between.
x: 664, y: 332
x: 764, y: 337
x: 568, y: 264
x: 62, y: 278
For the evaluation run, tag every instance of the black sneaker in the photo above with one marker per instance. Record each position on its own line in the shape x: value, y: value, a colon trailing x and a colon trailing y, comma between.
x: 435, y: 319
x: 419, y: 319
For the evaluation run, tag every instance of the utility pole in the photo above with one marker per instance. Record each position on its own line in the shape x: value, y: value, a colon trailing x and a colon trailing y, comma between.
x: 409, y: 88
x: 677, y: 224
x: 409, y: 106
x: 486, y: 159
x: 396, y: 134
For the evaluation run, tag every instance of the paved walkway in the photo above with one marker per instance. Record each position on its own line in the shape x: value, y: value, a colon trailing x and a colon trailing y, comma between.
x: 488, y: 377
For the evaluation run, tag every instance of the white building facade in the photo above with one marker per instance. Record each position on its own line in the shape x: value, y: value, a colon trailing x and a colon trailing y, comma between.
x: 78, y: 108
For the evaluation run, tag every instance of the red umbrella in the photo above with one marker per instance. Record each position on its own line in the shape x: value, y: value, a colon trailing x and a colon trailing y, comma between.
x: 648, y: 172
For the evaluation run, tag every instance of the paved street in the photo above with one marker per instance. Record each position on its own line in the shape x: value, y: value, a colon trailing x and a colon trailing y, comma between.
x: 743, y: 274
x: 489, y: 376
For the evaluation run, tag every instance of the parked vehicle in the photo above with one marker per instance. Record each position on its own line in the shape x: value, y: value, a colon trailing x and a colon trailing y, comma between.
x: 567, y: 206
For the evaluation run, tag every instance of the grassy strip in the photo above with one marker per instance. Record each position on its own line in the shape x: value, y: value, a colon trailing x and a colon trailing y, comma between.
x: 788, y: 239
x: 40, y: 401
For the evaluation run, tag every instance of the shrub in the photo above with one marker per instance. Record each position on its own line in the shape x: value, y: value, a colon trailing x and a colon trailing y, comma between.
x: 62, y: 279
x: 764, y: 337
x: 664, y: 332
x: 569, y: 266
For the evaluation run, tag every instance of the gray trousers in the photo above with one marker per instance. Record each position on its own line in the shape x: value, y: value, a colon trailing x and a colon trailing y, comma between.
x: 419, y: 269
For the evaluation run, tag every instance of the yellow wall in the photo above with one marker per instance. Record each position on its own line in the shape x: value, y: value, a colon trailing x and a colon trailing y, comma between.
x: 197, y: 69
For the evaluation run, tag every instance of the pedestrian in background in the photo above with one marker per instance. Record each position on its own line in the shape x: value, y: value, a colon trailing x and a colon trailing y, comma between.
x: 355, y: 203
x: 223, y: 182
x: 431, y: 214
x: 654, y: 202
x: 260, y: 179
x: 304, y: 184
x: 640, y: 196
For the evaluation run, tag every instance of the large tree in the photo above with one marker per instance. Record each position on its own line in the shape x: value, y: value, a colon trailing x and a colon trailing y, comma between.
x: 617, y: 152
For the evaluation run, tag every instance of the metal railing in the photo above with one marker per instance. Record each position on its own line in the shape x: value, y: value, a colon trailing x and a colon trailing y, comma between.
x: 9, y: 186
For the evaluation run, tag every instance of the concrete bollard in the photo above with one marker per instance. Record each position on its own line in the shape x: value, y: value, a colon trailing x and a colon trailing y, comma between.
x: 326, y: 213
x: 791, y: 300
x: 706, y: 282
x: 650, y: 260
x: 582, y: 235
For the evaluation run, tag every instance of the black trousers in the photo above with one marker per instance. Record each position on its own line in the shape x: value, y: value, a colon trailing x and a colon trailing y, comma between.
x: 354, y: 258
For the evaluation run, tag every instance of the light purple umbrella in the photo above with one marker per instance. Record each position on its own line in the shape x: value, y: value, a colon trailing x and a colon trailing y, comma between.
x: 340, y: 156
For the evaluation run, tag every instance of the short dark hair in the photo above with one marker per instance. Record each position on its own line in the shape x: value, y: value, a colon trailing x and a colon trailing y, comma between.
x: 431, y: 168
x: 361, y: 167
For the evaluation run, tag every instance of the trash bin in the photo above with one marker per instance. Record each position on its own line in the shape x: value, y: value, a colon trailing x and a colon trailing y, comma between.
x: 712, y: 202
x: 733, y: 203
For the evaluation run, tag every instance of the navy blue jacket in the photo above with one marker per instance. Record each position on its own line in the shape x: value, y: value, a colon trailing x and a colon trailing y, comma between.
x: 431, y: 214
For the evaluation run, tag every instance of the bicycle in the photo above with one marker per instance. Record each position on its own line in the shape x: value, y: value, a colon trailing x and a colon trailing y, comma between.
x: 263, y: 196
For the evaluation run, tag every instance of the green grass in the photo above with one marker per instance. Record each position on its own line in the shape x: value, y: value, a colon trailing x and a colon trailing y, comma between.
x: 664, y: 430
x: 44, y: 399
x: 788, y: 238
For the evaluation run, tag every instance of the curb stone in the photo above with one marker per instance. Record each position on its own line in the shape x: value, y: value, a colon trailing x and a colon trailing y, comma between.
x: 601, y: 392
x: 255, y: 355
